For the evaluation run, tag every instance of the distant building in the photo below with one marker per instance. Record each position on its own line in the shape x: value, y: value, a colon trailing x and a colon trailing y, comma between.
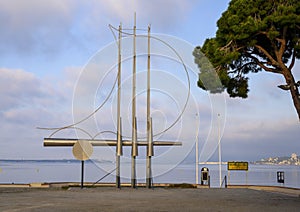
x: 292, y: 160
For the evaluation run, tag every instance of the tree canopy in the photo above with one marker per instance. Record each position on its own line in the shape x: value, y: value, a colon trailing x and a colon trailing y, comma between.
x: 252, y: 36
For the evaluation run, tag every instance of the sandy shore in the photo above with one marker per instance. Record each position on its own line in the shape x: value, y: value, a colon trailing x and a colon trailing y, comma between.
x: 142, y: 199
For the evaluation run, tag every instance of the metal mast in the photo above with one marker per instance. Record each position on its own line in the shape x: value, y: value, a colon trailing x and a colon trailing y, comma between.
x: 149, y: 123
x: 119, y: 148
x: 134, y: 150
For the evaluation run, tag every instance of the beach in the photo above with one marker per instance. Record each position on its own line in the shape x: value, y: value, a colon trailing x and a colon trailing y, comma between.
x: 143, y: 199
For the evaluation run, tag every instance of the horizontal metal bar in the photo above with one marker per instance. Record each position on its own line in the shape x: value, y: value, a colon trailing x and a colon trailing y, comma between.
x: 71, y: 142
x: 106, y: 142
x: 166, y: 143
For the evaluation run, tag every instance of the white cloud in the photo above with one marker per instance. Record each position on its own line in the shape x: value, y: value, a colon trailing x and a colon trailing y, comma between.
x: 26, y: 103
x: 163, y: 13
x: 27, y: 26
x: 19, y: 88
x: 33, y: 26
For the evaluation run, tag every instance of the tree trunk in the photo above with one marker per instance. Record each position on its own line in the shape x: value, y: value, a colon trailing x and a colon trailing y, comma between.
x: 296, y: 98
x: 289, y: 78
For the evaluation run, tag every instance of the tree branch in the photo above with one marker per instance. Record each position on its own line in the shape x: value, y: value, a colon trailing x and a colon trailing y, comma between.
x: 226, y: 46
x: 245, y: 65
x: 263, y: 66
x: 273, y: 61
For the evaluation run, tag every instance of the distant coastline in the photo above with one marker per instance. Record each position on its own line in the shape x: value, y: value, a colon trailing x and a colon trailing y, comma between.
x: 291, y: 160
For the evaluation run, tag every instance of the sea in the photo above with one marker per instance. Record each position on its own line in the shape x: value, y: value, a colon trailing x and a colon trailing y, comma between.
x: 49, y: 171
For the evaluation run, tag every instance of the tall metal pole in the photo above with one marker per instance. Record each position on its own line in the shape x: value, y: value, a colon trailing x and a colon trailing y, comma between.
x: 134, y: 150
x: 119, y: 149
x: 220, y: 159
x: 149, y: 123
x: 197, y: 156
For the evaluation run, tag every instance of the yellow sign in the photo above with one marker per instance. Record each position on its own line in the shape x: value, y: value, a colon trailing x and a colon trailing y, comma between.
x: 243, y: 166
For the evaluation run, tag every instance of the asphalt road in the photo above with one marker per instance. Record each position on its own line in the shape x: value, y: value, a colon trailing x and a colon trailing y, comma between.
x: 142, y: 199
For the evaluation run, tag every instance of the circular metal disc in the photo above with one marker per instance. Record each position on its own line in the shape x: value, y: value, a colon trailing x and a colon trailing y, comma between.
x: 82, y: 150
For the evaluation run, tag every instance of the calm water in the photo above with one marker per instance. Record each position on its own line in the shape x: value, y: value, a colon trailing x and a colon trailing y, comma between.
x: 69, y: 171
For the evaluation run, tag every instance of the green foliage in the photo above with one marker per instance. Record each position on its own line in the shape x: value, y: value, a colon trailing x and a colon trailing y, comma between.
x: 252, y: 35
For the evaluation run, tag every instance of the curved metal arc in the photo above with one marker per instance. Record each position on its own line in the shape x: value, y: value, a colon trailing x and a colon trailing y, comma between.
x: 87, y: 117
x: 102, y: 132
x: 189, y: 84
x: 77, y: 128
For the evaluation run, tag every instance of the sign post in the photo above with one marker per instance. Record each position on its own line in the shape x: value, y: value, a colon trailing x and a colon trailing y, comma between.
x: 82, y: 151
x: 237, y: 166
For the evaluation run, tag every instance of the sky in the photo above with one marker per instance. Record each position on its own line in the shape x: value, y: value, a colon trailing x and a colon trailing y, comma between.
x: 45, y: 47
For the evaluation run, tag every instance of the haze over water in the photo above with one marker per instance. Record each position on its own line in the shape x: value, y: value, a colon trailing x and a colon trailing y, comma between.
x: 69, y: 171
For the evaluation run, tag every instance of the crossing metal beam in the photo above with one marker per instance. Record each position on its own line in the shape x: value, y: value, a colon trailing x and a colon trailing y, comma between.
x: 55, y: 142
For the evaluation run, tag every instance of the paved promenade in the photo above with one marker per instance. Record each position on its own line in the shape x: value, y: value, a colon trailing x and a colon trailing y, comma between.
x: 142, y: 199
